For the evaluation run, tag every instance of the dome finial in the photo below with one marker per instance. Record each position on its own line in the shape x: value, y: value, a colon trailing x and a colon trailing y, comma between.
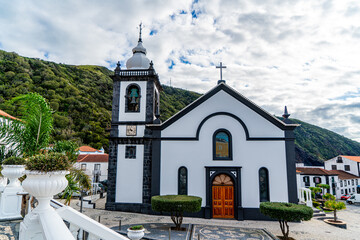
x: 286, y: 115
x: 140, y: 28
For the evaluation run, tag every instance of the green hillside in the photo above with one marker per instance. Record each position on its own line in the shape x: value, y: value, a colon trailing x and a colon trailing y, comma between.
x: 81, y: 99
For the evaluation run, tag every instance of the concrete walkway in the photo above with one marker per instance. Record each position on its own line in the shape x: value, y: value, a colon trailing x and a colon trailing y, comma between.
x: 307, y: 230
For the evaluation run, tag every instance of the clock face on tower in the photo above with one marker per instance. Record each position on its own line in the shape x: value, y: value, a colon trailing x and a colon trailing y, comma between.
x: 130, y: 130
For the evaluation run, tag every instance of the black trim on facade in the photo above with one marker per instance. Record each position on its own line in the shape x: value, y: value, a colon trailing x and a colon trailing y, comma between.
x: 147, y: 172
x: 156, y: 163
x: 115, y: 108
x: 248, y: 138
x: 150, y: 92
x: 235, y: 174
x: 186, y: 181
x: 290, y: 166
x: 112, y: 171
x: 237, y: 96
x: 230, y: 155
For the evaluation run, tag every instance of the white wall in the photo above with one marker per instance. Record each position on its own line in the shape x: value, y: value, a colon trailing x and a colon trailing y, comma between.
x: 350, y: 186
x: 90, y: 166
x: 222, y: 102
x: 132, y: 116
x: 129, y: 177
x: 250, y: 155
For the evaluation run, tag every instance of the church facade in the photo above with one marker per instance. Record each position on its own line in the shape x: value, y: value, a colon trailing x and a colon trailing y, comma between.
x: 222, y: 148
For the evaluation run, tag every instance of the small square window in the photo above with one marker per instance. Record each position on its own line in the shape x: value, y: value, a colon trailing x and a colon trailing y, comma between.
x: 339, y: 160
x: 333, y: 167
x: 130, y: 152
x: 347, y: 167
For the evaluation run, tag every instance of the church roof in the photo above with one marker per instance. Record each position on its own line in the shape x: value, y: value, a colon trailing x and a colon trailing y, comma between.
x: 222, y: 86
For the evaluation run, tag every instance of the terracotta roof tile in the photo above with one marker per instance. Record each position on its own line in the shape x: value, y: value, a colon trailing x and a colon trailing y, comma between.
x: 344, y: 175
x: 93, y: 158
x: 4, y: 114
x: 88, y: 149
x: 314, y: 171
x: 353, y: 158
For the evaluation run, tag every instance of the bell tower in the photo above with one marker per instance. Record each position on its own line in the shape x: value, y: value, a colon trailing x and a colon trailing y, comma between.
x: 136, y: 103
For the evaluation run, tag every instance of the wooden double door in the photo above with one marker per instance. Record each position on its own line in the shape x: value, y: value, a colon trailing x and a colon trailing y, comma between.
x: 223, y: 197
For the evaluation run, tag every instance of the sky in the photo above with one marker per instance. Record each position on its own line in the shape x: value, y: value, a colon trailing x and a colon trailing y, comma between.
x: 303, y: 54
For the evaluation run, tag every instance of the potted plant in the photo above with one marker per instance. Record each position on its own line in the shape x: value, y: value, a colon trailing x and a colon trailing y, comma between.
x: 136, y: 232
x: 46, y: 177
x: 13, y: 168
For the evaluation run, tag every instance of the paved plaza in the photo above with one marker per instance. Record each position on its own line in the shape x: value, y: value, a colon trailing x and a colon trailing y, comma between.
x: 158, y: 226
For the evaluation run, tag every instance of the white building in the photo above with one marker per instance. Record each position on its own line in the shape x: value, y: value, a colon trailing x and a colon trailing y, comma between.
x: 350, y: 164
x: 347, y: 184
x: 222, y: 147
x: 94, y: 162
x: 311, y: 176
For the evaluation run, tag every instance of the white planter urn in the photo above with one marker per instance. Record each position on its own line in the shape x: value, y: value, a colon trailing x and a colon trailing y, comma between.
x: 43, y: 186
x: 13, y: 172
x: 135, y: 234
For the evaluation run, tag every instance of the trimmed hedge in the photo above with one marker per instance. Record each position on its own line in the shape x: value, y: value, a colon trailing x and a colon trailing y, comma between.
x: 176, y: 203
x: 286, y: 211
x: 48, y: 162
x: 14, y: 161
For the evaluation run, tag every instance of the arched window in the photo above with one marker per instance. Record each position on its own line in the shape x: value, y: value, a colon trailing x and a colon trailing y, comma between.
x: 132, y: 98
x: 182, y: 181
x: 222, y: 145
x: 264, y: 185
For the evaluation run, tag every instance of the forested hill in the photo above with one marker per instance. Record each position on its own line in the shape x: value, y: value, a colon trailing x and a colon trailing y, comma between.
x: 81, y: 98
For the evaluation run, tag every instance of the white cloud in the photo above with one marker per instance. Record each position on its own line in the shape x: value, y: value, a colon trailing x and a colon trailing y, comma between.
x: 304, y: 54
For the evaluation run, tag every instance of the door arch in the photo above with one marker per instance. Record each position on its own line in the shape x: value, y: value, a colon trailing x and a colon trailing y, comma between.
x: 223, y: 197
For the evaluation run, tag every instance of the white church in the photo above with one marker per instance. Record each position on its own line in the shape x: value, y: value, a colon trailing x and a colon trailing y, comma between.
x: 223, y: 148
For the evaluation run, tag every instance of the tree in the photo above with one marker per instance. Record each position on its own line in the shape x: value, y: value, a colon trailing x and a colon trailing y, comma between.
x: 32, y: 133
x: 334, y: 205
x: 176, y: 205
x: 329, y: 196
x: 314, y: 191
x: 323, y: 187
x: 286, y: 212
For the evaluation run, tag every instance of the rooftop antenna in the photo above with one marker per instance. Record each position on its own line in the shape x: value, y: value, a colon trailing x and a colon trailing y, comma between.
x: 221, y: 67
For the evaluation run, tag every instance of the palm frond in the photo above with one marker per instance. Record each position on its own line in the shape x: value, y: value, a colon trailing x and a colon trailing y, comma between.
x: 32, y: 133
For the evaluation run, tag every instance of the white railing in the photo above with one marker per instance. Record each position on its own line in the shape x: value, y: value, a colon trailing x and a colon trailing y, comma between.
x: 305, y: 196
x: 80, y: 223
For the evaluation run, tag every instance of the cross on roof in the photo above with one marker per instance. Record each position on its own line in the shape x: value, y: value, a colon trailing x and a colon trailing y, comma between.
x: 140, y: 28
x: 221, y: 67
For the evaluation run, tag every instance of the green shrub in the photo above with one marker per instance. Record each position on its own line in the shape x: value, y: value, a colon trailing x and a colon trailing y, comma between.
x: 176, y: 205
x: 137, y: 227
x: 329, y: 196
x: 286, y: 212
x: 14, y: 161
x: 48, y: 162
x: 316, y: 204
